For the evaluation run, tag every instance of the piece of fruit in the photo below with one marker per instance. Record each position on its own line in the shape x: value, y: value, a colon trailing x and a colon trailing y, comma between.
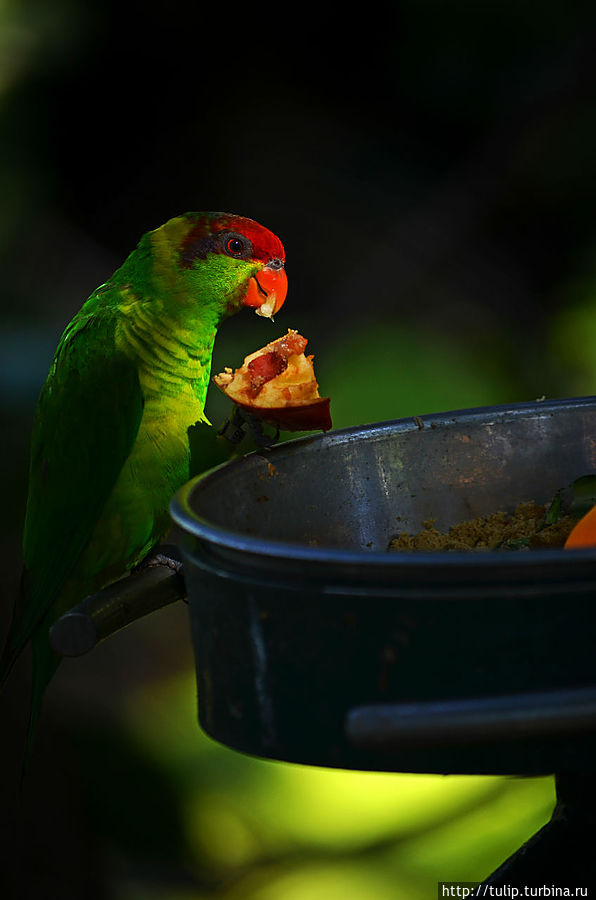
x: 278, y: 384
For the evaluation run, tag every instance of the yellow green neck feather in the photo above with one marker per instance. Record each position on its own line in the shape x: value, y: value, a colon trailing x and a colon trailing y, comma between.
x: 174, y: 360
x: 169, y: 319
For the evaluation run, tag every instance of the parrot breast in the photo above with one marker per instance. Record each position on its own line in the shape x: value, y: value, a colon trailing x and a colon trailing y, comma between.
x: 174, y: 366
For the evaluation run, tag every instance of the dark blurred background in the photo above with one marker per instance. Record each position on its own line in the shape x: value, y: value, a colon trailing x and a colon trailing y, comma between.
x: 431, y: 170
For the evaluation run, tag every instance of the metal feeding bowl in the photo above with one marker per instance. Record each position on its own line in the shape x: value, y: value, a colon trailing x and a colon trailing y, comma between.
x: 315, y: 644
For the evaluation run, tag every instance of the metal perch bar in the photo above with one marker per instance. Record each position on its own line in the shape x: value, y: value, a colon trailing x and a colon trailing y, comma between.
x: 98, y: 616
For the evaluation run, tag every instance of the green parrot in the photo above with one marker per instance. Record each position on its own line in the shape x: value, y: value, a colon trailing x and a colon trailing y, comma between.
x: 110, y: 444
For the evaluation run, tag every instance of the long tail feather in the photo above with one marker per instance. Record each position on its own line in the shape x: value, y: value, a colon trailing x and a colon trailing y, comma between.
x: 15, y: 642
x: 45, y: 661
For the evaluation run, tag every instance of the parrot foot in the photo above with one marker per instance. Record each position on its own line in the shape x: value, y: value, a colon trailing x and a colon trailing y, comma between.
x: 260, y: 436
x: 164, y: 555
x: 160, y: 559
x: 234, y: 429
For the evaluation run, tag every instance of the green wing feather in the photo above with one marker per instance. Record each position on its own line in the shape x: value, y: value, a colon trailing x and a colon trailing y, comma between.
x: 87, y: 420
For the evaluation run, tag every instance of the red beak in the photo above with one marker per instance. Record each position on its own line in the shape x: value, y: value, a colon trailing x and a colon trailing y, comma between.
x: 267, y: 291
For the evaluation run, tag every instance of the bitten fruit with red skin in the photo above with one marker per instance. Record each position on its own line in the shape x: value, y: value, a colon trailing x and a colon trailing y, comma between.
x: 278, y: 384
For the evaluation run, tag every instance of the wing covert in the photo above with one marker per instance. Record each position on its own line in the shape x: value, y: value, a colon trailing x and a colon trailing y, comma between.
x: 86, y: 423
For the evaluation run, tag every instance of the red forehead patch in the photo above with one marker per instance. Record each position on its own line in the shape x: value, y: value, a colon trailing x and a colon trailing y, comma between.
x: 206, y: 228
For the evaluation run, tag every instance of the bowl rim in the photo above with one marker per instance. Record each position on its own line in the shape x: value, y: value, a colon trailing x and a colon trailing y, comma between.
x: 236, y: 542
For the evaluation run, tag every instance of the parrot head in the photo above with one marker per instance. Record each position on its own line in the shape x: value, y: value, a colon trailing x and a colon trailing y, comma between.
x: 227, y: 259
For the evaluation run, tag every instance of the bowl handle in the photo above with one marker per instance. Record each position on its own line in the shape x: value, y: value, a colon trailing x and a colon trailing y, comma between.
x: 390, y: 726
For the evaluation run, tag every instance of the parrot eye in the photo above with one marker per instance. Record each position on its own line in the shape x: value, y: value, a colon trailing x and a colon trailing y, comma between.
x: 237, y: 245
x: 234, y: 246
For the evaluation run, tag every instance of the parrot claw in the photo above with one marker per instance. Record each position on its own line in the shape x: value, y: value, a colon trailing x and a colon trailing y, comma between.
x: 163, y: 555
x: 234, y: 431
x: 160, y: 559
x: 166, y: 555
x: 260, y: 436
x: 233, y: 428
